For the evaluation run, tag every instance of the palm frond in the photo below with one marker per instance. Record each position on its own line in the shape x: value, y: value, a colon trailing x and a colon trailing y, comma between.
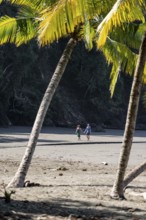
x: 122, y: 11
x: 141, y: 30
x: 62, y: 18
x: 144, y: 99
x: 14, y: 30
x: 35, y: 4
x: 88, y: 34
x: 131, y: 34
x: 120, y: 56
x: 23, y: 2
x: 144, y: 75
x: 26, y: 30
x: 8, y: 27
x: 115, y: 72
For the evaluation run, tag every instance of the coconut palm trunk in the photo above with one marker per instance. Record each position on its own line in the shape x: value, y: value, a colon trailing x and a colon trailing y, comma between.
x: 134, y: 173
x: 19, y: 178
x: 117, y: 190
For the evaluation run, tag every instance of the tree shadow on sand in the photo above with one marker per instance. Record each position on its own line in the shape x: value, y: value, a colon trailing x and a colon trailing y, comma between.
x: 64, y: 208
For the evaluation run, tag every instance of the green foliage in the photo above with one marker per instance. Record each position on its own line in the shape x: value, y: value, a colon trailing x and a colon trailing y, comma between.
x: 120, y: 56
x: 19, y: 90
x: 87, y: 77
x: 63, y: 18
x: 85, y: 85
x: 20, y: 29
x: 7, y: 193
x: 122, y: 11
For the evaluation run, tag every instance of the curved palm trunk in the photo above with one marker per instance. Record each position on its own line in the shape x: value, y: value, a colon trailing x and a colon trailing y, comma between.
x: 19, y: 178
x: 134, y: 173
x: 117, y: 190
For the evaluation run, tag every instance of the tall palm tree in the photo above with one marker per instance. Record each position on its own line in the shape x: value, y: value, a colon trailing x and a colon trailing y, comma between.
x: 136, y: 171
x: 130, y: 121
x: 60, y: 19
x: 18, y: 180
x: 113, y: 19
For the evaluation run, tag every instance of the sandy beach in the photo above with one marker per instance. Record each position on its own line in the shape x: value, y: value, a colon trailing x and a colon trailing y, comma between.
x: 72, y: 180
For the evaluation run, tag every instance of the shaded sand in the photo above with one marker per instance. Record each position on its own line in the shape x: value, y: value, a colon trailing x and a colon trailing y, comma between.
x: 72, y: 182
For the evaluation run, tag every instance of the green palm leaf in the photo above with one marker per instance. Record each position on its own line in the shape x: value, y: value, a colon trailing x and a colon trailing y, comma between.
x: 8, y: 27
x: 34, y: 2
x: 28, y: 3
x: 120, y: 56
x: 21, y: 28
x: 130, y: 35
x: 144, y: 75
x: 122, y: 11
x: 62, y: 18
x: 87, y: 33
x: 16, y: 31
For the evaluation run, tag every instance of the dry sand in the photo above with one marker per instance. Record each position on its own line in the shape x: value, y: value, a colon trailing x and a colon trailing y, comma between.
x: 73, y: 183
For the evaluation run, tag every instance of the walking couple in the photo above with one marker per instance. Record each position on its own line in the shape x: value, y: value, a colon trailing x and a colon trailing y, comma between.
x: 87, y: 131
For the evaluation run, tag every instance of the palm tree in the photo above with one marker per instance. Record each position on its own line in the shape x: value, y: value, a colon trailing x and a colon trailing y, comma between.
x: 114, y: 18
x: 18, y: 180
x: 130, y: 121
x: 55, y: 22
x: 139, y: 168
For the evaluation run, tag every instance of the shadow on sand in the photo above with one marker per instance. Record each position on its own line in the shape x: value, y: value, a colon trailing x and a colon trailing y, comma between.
x: 56, y: 207
x: 65, y: 207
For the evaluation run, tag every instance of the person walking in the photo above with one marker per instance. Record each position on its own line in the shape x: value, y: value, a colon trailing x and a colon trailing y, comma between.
x: 78, y: 132
x: 88, y: 131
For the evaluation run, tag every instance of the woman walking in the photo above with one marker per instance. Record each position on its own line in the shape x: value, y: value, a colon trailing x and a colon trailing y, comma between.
x: 88, y: 131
